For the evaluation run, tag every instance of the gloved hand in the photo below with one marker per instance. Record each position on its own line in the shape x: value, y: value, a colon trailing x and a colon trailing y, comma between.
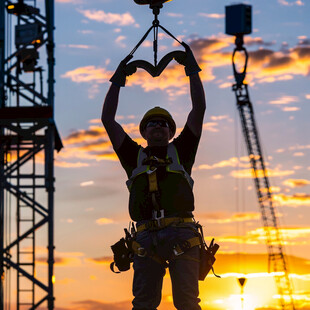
x: 119, y: 77
x: 190, y: 63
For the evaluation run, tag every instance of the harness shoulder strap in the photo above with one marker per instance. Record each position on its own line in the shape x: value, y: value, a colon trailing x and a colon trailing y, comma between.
x: 176, y: 166
x: 140, y: 167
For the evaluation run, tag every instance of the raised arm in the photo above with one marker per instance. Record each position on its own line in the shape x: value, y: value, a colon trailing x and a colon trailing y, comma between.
x: 115, y: 131
x: 195, y: 117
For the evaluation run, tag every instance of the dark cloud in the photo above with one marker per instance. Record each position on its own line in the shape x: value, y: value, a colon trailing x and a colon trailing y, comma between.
x: 304, y: 42
x: 101, y: 260
x: 59, y: 261
x: 198, y: 44
x: 283, y: 61
x: 302, y: 52
x: 78, y: 134
x: 257, y: 41
x: 260, y: 55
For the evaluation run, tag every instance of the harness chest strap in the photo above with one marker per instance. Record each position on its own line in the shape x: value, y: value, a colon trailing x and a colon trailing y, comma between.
x: 153, y: 186
x: 174, y: 166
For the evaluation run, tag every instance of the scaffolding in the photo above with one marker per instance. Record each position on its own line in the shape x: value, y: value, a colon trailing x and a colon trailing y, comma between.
x: 28, y: 138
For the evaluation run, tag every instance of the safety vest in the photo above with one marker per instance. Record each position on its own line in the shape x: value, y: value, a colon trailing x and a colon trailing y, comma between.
x: 174, y: 165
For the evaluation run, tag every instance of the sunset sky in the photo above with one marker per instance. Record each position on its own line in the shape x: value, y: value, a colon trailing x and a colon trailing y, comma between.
x: 92, y: 37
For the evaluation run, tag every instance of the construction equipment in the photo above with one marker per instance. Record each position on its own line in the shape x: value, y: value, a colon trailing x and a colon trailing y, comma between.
x: 156, y: 69
x: 28, y: 138
x: 238, y: 23
x: 151, y: 2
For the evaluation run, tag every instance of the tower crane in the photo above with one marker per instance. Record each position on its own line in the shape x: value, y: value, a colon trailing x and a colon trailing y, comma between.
x: 239, y: 23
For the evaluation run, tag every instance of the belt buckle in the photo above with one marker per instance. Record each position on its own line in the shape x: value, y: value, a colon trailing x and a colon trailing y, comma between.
x: 160, y: 217
x: 176, y: 252
x: 151, y: 171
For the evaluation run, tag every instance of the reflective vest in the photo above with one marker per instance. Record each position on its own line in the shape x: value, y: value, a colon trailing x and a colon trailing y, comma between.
x: 174, y: 166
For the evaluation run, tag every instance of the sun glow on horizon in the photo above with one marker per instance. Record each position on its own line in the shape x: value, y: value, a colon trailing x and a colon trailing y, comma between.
x: 242, y: 302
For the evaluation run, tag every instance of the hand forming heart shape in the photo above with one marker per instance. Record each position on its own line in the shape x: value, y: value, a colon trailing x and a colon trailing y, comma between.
x: 131, y: 68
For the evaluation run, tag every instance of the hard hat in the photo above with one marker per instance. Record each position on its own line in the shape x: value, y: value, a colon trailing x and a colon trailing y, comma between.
x: 158, y: 112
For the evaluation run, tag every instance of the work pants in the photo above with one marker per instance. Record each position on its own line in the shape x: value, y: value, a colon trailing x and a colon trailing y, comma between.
x: 149, y: 273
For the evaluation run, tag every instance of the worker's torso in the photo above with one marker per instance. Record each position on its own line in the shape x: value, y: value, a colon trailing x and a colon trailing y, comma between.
x: 174, y: 196
x: 175, y: 193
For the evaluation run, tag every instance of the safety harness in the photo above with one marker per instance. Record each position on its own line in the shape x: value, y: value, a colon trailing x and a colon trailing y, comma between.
x: 125, y: 248
x: 149, y: 165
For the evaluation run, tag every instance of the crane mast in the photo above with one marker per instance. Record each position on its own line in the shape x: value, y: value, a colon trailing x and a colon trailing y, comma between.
x: 277, y: 259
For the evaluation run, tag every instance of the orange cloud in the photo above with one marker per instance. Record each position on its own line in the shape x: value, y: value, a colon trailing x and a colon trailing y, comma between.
x: 61, y: 261
x: 291, y: 3
x: 104, y: 260
x: 125, y: 19
x: 296, y: 182
x: 249, y: 173
x: 296, y: 200
x: 289, y: 236
x: 290, y: 109
x: 219, y: 117
x: 265, y: 66
x: 63, y: 164
x: 231, y: 162
x: 90, y: 144
x: 285, y: 100
x: 72, y: 259
x: 212, y: 15
x: 88, y: 74
x: 119, y: 40
x: 80, y: 46
x: 273, y: 189
x: 174, y: 14
x: 299, y: 147
x: 104, y: 221
x: 86, y: 145
x: 256, y: 265
x: 224, y: 217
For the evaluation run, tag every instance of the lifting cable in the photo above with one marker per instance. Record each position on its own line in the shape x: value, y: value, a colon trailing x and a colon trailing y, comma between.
x: 131, y: 67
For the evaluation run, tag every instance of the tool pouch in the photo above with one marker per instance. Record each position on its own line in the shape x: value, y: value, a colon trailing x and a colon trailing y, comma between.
x: 122, y: 256
x: 207, y: 259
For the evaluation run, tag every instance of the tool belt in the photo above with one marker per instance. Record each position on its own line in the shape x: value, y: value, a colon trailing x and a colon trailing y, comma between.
x: 160, y: 223
x: 125, y: 249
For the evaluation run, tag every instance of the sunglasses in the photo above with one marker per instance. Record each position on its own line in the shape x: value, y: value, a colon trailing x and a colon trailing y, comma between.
x: 155, y: 123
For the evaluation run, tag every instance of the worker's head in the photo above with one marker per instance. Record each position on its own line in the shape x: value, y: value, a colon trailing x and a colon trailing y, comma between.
x: 157, y: 124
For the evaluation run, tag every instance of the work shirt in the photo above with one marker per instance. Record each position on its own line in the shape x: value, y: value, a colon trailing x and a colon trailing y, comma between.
x: 175, y: 195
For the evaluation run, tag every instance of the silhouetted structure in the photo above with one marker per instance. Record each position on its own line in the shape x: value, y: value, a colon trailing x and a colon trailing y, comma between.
x: 28, y: 138
x: 239, y: 23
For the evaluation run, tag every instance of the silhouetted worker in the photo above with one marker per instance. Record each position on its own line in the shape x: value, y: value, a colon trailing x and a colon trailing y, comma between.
x: 161, y: 198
